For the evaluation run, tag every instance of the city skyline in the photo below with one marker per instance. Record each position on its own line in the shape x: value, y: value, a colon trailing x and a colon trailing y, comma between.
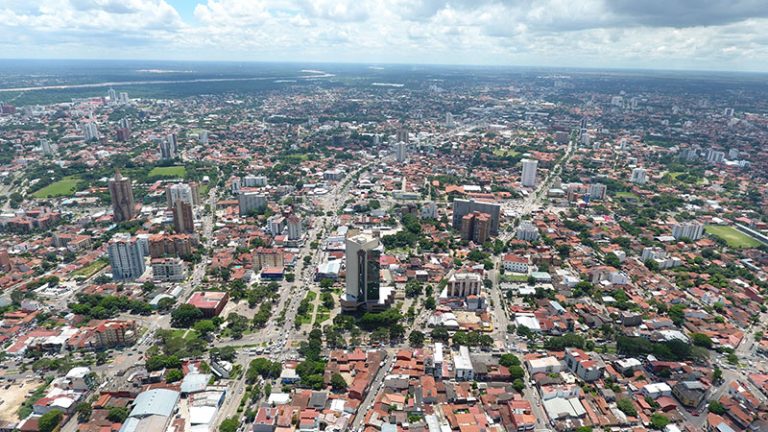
x: 709, y: 35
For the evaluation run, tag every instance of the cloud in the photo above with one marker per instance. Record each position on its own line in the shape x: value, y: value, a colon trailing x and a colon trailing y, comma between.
x: 648, y: 33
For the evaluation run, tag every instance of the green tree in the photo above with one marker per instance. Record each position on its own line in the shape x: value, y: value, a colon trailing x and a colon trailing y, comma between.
x: 117, y: 414
x: 338, y: 383
x: 173, y: 375
x: 702, y: 340
x: 625, y: 405
x: 229, y: 425
x: 83, y: 410
x: 509, y: 360
x: 716, y: 407
x: 204, y: 327
x: 416, y: 339
x: 185, y: 315
x: 659, y: 421
x: 50, y: 420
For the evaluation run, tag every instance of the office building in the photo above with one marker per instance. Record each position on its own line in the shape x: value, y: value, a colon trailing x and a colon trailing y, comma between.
x: 210, y: 303
x: 363, y: 285
x: 476, y: 227
x: 168, y: 147
x: 527, y: 231
x: 528, y: 178
x: 125, y: 258
x: 462, y: 207
x: 183, y: 219
x: 251, y: 201
x: 689, y: 230
x: 121, y: 193
x: 639, y: 176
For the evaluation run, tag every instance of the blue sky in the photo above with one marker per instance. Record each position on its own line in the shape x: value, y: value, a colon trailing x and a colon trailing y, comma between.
x: 659, y: 34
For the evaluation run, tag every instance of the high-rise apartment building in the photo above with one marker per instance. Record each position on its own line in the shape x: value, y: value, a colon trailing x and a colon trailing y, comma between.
x: 639, y: 176
x: 121, y: 192
x: 476, y: 226
x: 528, y: 178
x: 183, y: 219
x: 462, y: 207
x: 125, y: 258
x: 689, y: 230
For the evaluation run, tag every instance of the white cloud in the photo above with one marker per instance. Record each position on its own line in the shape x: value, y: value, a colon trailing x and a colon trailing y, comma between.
x: 701, y: 34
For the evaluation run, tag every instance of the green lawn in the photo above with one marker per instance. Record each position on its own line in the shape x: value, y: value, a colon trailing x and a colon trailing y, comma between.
x: 732, y: 236
x: 627, y: 195
x: 514, y: 277
x: 169, y: 171
x: 64, y: 187
x: 505, y: 152
x: 90, y: 269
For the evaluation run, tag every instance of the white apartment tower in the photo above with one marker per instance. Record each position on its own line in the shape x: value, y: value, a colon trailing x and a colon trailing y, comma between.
x: 528, y: 178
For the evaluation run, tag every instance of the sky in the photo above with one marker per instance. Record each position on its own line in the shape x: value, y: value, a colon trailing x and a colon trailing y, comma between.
x: 654, y: 34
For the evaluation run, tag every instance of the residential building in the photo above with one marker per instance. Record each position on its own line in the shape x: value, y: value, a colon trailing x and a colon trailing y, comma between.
x: 462, y: 365
x: 121, y: 193
x: 688, y: 230
x: 179, y: 192
x: 582, y: 365
x: 515, y: 263
x: 528, y: 177
x: 251, y: 201
x: 462, y: 207
x: 268, y: 257
x: 162, y: 245
x: 476, y: 227
x: 689, y: 393
x: 295, y: 230
x: 125, y: 258
x: 183, y: 219
x: 597, y: 191
x: 168, y: 269
x: 639, y: 176
x: 527, y: 231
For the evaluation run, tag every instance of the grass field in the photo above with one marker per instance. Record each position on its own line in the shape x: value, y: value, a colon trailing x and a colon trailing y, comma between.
x: 170, y: 171
x: 64, y: 187
x: 90, y: 269
x: 732, y: 236
x: 627, y: 195
x: 505, y: 152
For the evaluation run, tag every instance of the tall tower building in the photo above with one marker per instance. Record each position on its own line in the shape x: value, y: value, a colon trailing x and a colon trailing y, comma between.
x: 168, y: 148
x: 362, y: 277
x: 90, y: 131
x: 112, y: 95
x: 639, y: 176
x: 45, y: 147
x: 295, y: 230
x: 178, y: 192
x: 400, y: 151
x: 125, y: 258
x: 528, y: 178
x: 183, y: 219
x: 121, y: 192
